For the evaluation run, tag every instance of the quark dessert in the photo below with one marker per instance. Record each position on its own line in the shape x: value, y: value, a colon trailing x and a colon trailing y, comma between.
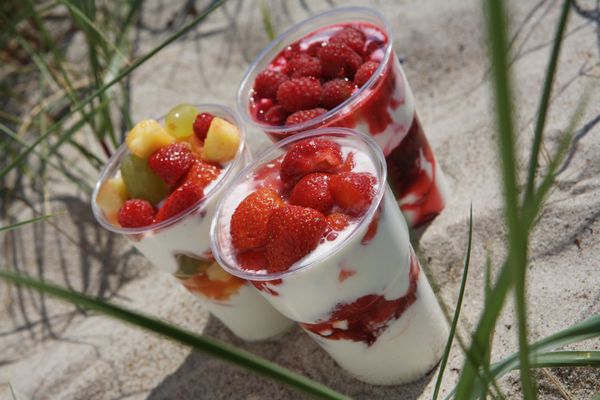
x: 314, y: 226
x: 161, y: 189
x: 339, y: 69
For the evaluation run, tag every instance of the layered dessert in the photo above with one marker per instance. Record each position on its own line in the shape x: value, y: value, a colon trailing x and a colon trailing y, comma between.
x: 161, y: 190
x: 315, y: 228
x: 339, y: 69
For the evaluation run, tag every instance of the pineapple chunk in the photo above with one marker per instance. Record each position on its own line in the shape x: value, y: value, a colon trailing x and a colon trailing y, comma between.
x: 222, y: 141
x: 111, y: 196
x: 216, y: 273
x: 146, y: 137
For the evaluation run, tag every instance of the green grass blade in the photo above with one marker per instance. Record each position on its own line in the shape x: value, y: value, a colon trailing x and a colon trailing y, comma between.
x: 11, y: 227
x: 559, y: 359
x: 454, y: 324
x: 545, y: 101
x: 208, y: 345
x: 267, y: 20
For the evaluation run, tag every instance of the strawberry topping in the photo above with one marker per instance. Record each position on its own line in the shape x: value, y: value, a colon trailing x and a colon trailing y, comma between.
x: 171, y: 162
x: 267, y: 82
x: 335, y: 92
x: 180, y: 200
x: 201, y: 125
x: 353, y: 192
x: 304, y: 115
x: 135, y: 213
x: 307, y: 156
x: 313, y: 191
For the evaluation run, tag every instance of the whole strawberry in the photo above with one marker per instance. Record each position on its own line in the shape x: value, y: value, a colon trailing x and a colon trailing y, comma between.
x: 135, y: 213
x: 299, y: 94
x: 307, y: 156
x: 313, y: 191
x: 171, y: 162
x: 353, y: 192
x: 293, y: 232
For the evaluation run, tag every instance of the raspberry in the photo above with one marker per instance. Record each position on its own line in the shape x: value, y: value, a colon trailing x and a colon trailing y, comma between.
x: 180, y: 200
x: 335, y: 92
x: 339, y: 61
x: 299, y: 94
x: 353, y: 192
x: 276, y: 115
x: 304, y: 115
x: 304, y: 65
x: 249, y: 220
x: 293, y: 232
x: 171, y: 162
x: 365, y: 72
x: 351, y: 37
x: 267, y: 82
x: 307, y: 156
x: 202, y: 173
x: 201, y: 125
x: 313, y: 191
x: 135, y: 213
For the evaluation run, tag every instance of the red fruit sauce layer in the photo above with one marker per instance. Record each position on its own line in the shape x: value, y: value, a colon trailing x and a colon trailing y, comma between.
x: 368, y: 316
x: 374, y: 108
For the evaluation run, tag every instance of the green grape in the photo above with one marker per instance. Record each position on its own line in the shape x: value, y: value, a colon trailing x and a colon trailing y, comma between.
x: 189, y: 266
x: 180, y: 120
x: 141, y: 182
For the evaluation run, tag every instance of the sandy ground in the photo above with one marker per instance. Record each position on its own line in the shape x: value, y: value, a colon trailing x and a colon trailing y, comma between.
x: 50, y: 350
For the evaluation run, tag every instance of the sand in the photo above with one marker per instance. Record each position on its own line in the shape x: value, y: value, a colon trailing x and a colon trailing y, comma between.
x: 51, y: 350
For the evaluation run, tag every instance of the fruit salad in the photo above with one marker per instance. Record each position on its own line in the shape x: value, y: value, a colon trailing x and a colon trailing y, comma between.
x: 339, y: 69
x: 315, y: 228
x: 161, y: 189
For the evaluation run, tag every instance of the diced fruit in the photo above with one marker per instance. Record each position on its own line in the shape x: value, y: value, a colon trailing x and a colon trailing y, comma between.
x: 136, y: 213
x: 353, y: 192
x: 196, y: 145
x: 171, y: 162
x: 307, y: 156
x: 313, y: 191
x: 250, y: 218
x: 201, y: 125
x: 222, y: 141
x: 348, y: 165
x: 180, y: 120
x: 202, y: 173
x: 304, y: 115
x: 216, y: 273
x: 365, y: 72
x: 305, y: 65
x: 140, y: 181
x: 111, y: 196
x: 190, y: 266
x: 338, y: 221
x: 293, y: 232
x: 146, y: 137
x: 267, y: 82
x: 336, y: 91
x: 299, y: 94
x: 180, y: 200
x: 351, y: 37
x: 276, y: 115
x: 339, y: 61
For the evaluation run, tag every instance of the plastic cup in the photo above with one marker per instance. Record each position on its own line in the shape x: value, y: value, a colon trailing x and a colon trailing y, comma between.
x: 181, y: 246
x: 362, y: 296
x: 383, y: 108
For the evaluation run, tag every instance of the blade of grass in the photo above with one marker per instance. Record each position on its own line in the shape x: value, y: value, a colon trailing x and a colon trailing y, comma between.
x: 559, y: 359
x: 454, y: 324
x: 267, y: 20
x: 125, y: 72
x: 208, y: 345
x: 11, y: 227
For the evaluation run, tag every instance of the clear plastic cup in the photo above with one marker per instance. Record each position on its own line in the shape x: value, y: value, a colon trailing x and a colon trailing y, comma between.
x: 361, y: 296
x: 383, y: 108
x: 181, y: 246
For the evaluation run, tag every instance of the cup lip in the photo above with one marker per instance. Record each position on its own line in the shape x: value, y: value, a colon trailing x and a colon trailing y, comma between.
x: 268, y: 155
x: 245, y: 85
x: 217, y: 110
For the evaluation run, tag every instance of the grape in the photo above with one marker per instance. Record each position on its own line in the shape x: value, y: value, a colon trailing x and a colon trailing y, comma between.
x: 180, y: 121
x: 140, y: 181
x: 189, y: 266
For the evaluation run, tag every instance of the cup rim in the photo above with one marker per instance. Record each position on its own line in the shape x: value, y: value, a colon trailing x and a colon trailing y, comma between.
x: 114, y: 160
x: 376, y: 155
x: 245, y: 85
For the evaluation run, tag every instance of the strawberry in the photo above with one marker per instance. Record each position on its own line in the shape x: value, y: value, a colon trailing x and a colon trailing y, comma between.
x: 202, y: 173
x: 304, y: 115
x: 276, y: 115
x: 313, y: 191
x: 253, y: 259
x: 338, y: 221
x: 304, y: 65
x: 201, y: 125
x: 299, y: 93
x: 335, y: 92
x: 293, y: 232
x: 351, y: 37
x: 338, y: 61
x: 250, y: 218
x: 353, y: 192
x: 135, y: 213
x: 180, y: 200
x: 365, y: 72
x: 267, y: 82
x: 348, y: 165
x: 307, y: 156
x: 171, y: 162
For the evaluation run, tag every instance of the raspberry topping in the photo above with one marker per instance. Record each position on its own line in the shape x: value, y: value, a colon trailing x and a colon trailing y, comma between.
x: 313, y: 191
x: 304, y: 115
x: 307, y: 156
x: 339, y: 61
x: 304, y: 65
x: 365, y: 72
x: 135, y: 213
x: 351, y: 37
x: 353, y: 192
x: 171, y: 162
x: 276, y: 115
x: 201, y: 125
x: 299, y: 94
x: 180, y: 200
x: 267, y: 82
x: 335, y: 92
